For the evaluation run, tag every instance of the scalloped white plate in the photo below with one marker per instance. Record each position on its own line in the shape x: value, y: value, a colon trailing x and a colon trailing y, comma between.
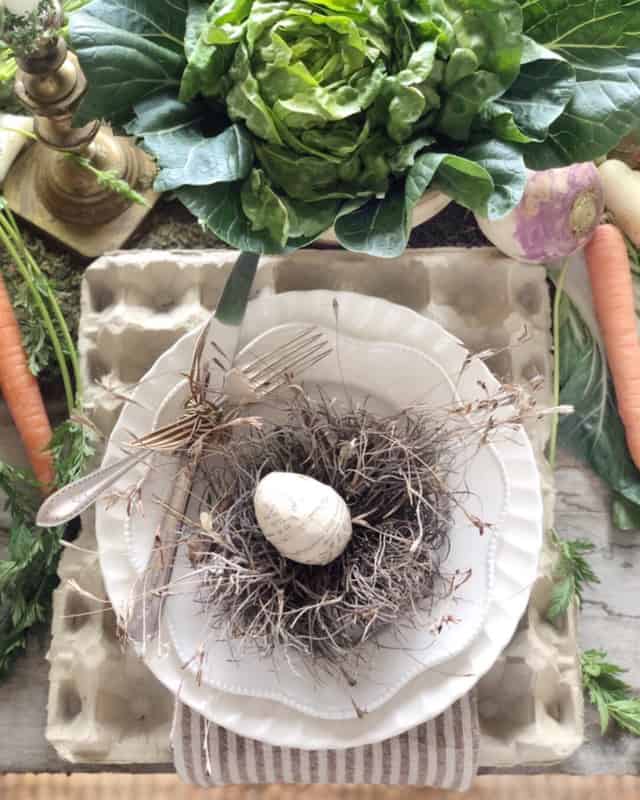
x: 518, y: 539
x: 399, y: 653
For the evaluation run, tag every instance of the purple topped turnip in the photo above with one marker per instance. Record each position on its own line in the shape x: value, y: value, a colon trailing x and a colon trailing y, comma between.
x: 559, y: 210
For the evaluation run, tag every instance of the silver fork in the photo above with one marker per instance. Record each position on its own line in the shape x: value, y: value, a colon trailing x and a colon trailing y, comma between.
x: 243, y: 384
x: 247, y: 384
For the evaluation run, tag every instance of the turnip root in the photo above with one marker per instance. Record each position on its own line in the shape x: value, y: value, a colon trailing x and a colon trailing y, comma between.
x: 559, y: 210
x: 12, y: 140
x: 622, y: 196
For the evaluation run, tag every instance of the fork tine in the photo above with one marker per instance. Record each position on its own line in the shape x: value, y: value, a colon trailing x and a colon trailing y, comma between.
x: 300, y: 335
x: 284, y: 379
x: 271, y: 362
x: 302, y: 359
x: 310, y: 331
x: 291, y: 363
x: 304, y: 362
x: 286, y: 363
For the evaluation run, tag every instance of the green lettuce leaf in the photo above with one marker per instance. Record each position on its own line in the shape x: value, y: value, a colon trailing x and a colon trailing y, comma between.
x: 207, y: 66
x: 491, y: 29
x: 219, y: 208
x: 264, y: 208
x: 283, y: 219
x: 601, y: 41
x: 489, y: 178
x: 172, y: 133
x: 378, y: 227
x: 129, y: 51
x: 539, y: 95
x: 485, y: 62
x: 196, y: 19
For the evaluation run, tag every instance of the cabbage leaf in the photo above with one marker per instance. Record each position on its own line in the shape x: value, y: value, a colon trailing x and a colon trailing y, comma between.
x: 600, y: 39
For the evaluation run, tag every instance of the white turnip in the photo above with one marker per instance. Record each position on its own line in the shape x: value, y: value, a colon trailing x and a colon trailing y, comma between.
x: 622, y: 196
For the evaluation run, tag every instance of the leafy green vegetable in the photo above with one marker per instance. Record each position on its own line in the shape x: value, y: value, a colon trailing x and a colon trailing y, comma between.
x: 219, y: 207
x: 28, y: 574
x: 594, y: 432
x: 379, y: 226
x: 572, y: 574
x: 601, y: 41
x: 171, y: 129
x: 612, y: 696
x: 136, y: 47
x: 545, y: 85
x: 489, y: 176
x: 276, y: 119
x: 65, y: 279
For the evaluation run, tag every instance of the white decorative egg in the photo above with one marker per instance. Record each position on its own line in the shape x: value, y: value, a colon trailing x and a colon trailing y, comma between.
x: 305, y: 520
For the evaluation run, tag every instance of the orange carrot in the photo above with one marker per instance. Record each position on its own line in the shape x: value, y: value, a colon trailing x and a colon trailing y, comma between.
x: 613, y: 299
x: 22, y: 394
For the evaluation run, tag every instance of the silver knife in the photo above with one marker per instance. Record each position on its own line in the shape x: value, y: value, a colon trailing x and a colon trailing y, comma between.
x: 147, y: 596
x: 72, y: 500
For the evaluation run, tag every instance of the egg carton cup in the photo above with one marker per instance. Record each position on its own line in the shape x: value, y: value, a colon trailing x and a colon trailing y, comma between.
x: 105, y: 707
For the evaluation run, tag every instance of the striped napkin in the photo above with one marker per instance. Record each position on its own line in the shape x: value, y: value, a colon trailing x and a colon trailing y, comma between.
x: 442, y: 753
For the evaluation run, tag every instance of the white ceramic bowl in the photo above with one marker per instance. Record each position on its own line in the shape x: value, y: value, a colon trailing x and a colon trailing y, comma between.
x: 389, y: 377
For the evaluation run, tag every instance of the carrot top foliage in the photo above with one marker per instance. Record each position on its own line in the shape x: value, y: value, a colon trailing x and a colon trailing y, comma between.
x: 28, y: 572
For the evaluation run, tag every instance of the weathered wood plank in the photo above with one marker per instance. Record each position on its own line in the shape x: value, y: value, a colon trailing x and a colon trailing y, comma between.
x: 610, y: 618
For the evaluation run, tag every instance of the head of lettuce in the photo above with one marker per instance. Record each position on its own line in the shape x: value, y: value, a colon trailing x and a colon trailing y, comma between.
x: 275, y: 120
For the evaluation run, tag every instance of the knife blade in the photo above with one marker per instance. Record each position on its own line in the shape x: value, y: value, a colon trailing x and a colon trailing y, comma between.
x: 75, y: 498
x: 145, y: 613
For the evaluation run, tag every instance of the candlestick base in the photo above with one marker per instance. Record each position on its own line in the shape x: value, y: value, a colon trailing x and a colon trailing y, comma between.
x: 53, y: 193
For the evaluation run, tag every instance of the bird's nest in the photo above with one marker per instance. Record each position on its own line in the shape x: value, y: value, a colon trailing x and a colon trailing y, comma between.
x: 393, y: 474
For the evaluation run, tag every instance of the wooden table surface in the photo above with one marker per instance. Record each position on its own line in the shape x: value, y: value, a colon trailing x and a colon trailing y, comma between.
x: 610, y: 620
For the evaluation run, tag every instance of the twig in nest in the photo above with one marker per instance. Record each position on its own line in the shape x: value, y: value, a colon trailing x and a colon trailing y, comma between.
x: 392, y: 473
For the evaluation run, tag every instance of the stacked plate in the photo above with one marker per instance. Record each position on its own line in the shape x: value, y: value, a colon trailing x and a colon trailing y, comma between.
x: 395, y: 359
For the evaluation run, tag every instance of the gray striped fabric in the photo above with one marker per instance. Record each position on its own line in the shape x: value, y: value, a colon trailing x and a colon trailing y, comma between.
x: 442, y: 753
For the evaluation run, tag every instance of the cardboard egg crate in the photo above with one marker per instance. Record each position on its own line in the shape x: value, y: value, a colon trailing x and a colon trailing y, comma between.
x: 105, y: 707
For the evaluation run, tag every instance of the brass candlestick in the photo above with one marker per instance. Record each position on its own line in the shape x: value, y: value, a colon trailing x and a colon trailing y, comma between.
x: 55, y: 192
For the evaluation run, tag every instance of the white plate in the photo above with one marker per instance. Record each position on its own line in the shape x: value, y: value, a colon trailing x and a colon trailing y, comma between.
x: 428, y: 694
x: 409, y: 377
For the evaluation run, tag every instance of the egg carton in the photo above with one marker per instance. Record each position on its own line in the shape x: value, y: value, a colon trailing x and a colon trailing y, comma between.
x: 105, y: 706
